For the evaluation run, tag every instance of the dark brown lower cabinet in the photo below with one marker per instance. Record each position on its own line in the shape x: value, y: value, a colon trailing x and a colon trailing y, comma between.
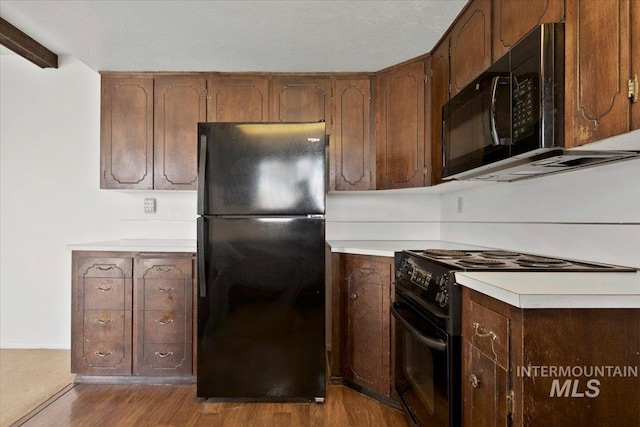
x: 363, y: 323
x: 132, y: 314
x: 532, y: 367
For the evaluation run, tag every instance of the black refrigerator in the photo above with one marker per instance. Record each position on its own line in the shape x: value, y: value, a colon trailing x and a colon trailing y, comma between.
x: 261, y: 261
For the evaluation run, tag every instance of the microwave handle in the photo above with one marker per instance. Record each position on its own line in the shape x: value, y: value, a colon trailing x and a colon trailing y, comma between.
x: 492, y: 112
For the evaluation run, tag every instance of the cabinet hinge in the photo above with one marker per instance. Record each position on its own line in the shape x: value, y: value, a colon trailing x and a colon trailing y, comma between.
x: 426, y: 79
x: 633, y: 88
x: 510, y: 403
x: 431, y: 72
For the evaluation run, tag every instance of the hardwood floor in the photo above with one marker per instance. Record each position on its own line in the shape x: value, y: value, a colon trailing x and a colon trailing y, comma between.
x: 177, y: 405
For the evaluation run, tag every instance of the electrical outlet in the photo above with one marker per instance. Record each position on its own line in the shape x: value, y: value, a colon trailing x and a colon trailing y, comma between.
x: 460, y: 204
x: 150, y: 205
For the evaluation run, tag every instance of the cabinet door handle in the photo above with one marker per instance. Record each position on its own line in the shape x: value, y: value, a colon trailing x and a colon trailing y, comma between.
x: 475, y: 382
x: 103, y: 322
x: 164, y: 322
x: 100, y: 288
x: 163, y: 290
x: 101, y: 354
x: 163, y: 355
x: 480, y: 332
x: 354, y: 296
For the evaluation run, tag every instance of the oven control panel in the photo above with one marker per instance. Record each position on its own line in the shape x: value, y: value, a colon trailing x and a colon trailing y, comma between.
x: 431, y: 284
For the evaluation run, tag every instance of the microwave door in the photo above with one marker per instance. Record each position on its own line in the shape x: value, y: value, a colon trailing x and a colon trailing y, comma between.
x: 477, y: 130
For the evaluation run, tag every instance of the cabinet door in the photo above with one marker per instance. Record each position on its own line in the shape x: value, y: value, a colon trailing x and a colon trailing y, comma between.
x: 439, y: 96
x: 163, y: 317
x: 597, y: 70
x: 180, y: 103
x: 101, y: 320
x: 351, y: 140
x: 635, y: 60
x: 470, y: 45
x: 126, y: 133
x: 301, y: 99
x: 366, y: 297
x: 484, y: 390
x: 400, y: 127
x: 512, y: 20
x: 238, y: 99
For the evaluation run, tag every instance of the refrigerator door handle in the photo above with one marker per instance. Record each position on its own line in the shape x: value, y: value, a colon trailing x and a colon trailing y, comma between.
x: 202, y: 163
x: 202, y: 275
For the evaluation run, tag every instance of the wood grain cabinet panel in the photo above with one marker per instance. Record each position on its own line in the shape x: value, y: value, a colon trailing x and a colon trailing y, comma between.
x: 163, y: 314
x: 400, y: 126
x: 513, y: 19
x: 301, y: 99
x: 101, y: 315
x: 531, y: 367
x: 126, y: 133
x: 634, y: 38
x: 470, y: 45
x: 132, y: 314
x: 351, y: 165
x: 365, y: 347
x: 238, y: 99
x: 179, y: 104
x: 439, y: 92
x: 598, y: 69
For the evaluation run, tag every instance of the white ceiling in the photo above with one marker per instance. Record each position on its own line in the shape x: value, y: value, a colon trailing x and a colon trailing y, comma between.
x: 240, y: 35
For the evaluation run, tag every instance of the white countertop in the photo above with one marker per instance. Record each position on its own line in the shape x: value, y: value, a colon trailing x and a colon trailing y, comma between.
x: 138, y: 245
x: 557, y: 290
x: 521, y: 289
x: 388, y: 247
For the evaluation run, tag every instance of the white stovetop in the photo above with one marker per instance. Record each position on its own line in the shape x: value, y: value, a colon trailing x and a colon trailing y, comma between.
x: 523, y: 289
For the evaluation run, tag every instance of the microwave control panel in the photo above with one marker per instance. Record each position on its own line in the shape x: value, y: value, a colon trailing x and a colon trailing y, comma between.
x: 525, y: 106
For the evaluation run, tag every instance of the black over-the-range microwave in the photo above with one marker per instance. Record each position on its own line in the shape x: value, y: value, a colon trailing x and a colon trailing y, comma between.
x: 514, y: 107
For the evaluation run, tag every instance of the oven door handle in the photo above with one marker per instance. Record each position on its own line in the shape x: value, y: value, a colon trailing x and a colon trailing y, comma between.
x: 434, y: 344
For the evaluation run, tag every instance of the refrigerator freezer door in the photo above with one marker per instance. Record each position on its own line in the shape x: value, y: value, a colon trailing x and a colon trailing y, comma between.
x: 261, y: 319
x: 262, y: 168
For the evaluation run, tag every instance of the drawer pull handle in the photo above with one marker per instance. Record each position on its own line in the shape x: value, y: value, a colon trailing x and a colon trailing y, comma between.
x: 354, y: 296
x: 100, y: 288
x: 101, y: 354
x: 475, y: 382
x: 105, y: 268
x: 163, y: 355
x: 103, y: 322
x: 165, y: 269
x: 164, y: 322
x: 482, y: 334
x: 163, y: 290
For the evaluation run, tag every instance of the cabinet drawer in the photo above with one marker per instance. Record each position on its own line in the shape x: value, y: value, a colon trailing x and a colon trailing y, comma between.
x: 105, y: 325
x: 488, y: 331
x: 106, y: 293
x: 107, y: 358
x: 165, y: 359
x: 166, y: 326
x: 166, y: 294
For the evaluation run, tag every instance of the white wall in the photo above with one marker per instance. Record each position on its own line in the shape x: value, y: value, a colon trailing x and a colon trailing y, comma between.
x: 50, y: 195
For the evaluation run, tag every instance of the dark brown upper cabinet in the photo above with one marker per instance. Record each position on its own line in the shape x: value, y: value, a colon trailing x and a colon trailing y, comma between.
x: 400, y: 126
x: 470, y: 52
x: 599, y: 42
x: 179, y: 104
x: 439, y: 91
x: 126, y: 133
x: 635, y: 63
x: 512, y: 20
x: 351, y: 150
x: 241, y: 98
x: 301, y: 99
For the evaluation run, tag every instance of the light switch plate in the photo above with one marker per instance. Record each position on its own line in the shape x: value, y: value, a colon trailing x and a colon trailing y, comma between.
x: 150, y: 205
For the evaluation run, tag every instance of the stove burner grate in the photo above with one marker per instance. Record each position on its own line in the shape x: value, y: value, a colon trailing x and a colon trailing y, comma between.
x: 445, y: 253
x: 542, y: 262
x: 481, y: 262
x: 500, y: 254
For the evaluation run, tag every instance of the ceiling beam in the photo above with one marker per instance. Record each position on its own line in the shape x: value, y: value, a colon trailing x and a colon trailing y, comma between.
x: 25, y: 46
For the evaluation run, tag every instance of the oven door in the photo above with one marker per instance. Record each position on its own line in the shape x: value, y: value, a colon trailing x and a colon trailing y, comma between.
x: 426, y: 371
